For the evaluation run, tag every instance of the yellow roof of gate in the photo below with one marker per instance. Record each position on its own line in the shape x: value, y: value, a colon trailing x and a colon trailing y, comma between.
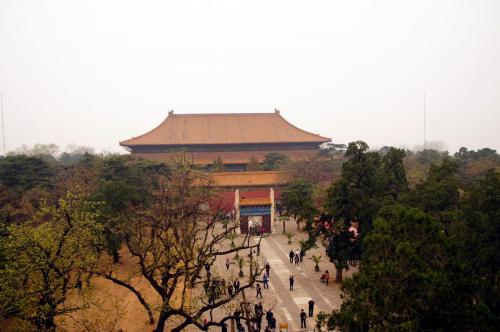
x: 255, y: 201
x: 230, y: 128
x: 247, y: 179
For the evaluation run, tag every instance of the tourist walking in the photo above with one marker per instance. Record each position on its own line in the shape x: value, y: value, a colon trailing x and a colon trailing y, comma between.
x: 327, y: 277
x: 268, y: 269
x: 302, y: 318
x: 258, y: 321
x: 302, y: 253
x: 259, y: 291
x: 230, y: 290
x: 258, y: 309
x: 265, y: 280
x: 236, y: 285
x: 237, y: 315
x: 311, y: 307
x: 291, y: 280
x: 227, y: 263
x: 272, y: 324
x: 258, y: 315
x: 269, y: 316
x: 296, y: 259
x: 291, y: 255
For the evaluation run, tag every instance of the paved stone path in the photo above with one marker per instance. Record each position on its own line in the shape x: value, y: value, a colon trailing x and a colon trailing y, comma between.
x: 306, y: 286
x: 284, y: 303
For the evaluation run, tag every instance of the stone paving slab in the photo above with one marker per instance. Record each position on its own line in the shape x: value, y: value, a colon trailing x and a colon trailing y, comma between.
x: 286, y: 304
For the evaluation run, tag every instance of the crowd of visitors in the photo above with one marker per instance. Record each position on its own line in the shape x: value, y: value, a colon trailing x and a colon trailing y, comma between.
x: 215, y: 288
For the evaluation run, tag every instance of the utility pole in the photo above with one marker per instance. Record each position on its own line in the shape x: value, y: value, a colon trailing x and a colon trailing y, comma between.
x: 4, y: 145
x: 425, y: 125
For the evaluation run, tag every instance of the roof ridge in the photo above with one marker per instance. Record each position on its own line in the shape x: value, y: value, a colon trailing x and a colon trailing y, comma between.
x: 224, y: 114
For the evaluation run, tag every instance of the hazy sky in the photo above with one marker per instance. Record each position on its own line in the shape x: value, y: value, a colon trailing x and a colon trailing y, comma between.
x: 94, y: 72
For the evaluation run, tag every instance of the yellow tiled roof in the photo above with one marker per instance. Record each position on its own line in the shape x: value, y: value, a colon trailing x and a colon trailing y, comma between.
x: 229, y: 128
x: 255, y: 201
x: 256, y: 178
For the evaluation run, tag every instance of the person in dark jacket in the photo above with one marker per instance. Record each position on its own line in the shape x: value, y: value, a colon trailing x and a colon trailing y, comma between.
x: 269, y: 315
x: 302, y: 318
x: 265, y: 281
x: 311, y: 307
x: 272, y: 324
x: 268, y: 269
x: 237, y: 315
x: 259, y: 291
x: 291, y: 255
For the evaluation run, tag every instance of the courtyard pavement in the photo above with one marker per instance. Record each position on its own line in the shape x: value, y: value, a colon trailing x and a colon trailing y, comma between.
x: 284, y: 303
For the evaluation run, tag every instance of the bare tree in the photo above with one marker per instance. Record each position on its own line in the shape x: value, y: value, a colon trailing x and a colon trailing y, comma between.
x: 175, y: 240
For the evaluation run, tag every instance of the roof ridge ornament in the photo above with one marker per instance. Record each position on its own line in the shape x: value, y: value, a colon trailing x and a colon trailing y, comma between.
x: 171, y: 112
x: 276, y: 111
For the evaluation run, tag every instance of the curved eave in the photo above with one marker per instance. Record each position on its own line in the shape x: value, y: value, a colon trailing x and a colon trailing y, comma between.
x: 312, y: 139
x: 227, y: 144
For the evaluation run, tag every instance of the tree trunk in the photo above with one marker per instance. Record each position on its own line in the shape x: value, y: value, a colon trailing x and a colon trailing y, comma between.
x: 116, y: 256
x: 160, y: 327
x: 338, y: 277
x: 246, y: 311
x: 49, y: 323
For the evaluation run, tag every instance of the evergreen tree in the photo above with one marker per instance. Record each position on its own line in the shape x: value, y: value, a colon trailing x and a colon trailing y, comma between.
x: 20, y: 173
x: 477, y: 258
x: 253, y: 164
x: 402, y: 283
x: 297, y: 200
x: 218, y: 165
x: 123, y: 182
x: 438, y: 194
x: 274, y: 161
x: 355, y: 197
x: 393, y: 170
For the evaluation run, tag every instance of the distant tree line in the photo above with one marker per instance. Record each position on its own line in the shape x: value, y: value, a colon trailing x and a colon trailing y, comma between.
x: 422, y: 227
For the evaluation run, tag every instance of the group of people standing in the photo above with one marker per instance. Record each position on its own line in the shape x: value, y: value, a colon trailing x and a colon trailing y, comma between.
x: 296, y: 257
x: 256, y: 321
